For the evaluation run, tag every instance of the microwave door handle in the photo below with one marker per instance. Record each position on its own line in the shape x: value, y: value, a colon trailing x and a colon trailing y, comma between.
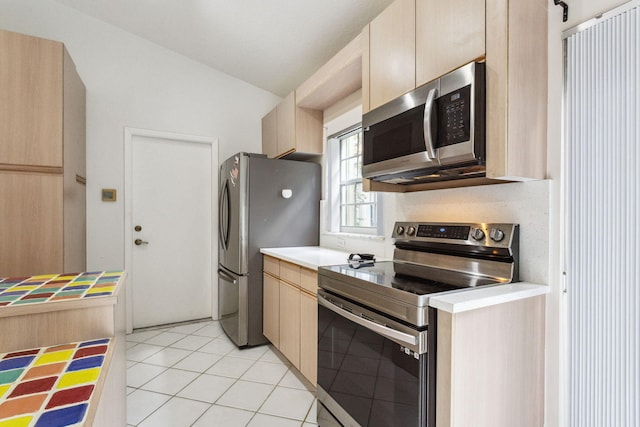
x: 429, y: 110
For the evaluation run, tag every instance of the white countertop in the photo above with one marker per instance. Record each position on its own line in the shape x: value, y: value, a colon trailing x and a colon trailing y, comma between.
x: 455, y: 302
x: 472, y: 299
x: 310, y: 257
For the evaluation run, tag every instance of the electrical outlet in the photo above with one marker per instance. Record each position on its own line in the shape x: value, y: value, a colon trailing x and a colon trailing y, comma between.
x: 341, y: 242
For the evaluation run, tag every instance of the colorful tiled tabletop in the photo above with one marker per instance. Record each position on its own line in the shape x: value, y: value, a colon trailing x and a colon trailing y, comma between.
x: 51, y: 386
x: 57, y: 287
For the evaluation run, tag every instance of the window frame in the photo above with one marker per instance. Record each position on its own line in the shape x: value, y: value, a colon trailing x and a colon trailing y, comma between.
x: 335, y: 184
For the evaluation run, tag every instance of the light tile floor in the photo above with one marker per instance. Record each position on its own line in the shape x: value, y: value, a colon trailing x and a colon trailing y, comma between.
x: 193, y: 375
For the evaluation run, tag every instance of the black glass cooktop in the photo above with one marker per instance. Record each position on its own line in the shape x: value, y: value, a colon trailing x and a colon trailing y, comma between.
x: 389, y: 274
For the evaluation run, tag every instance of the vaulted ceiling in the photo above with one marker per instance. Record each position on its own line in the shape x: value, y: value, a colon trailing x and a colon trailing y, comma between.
x: 272, y: 44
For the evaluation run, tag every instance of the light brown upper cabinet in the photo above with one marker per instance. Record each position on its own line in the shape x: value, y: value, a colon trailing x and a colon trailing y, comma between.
x: 390, y: 71
x: 42, y: 158
x: 449, y: 34
x: 516, y: 41
x: 289, y: 129
x: 509, y: 36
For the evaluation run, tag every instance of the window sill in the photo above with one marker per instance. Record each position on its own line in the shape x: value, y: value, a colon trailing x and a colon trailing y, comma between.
x: 354, y: 236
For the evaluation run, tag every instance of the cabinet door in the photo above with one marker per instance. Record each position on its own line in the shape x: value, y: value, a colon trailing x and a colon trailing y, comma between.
x: 270, y: 134
x: 309, y: 337
x: 271, y: 309
x: 286, y: 124
x: 30, y: 224
x: 31, y: 88
x: 449, y: 34
x: 290, y: 323
x: 392, y: 53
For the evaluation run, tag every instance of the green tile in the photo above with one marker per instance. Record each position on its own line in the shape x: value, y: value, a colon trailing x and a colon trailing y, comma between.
x: 61, y: 294
x: 29, y: 301
x: 44, y: 291
x: 9, y: 298
x: 7, y: 377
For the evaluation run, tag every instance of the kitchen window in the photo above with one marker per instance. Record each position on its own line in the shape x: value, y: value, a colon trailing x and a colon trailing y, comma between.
x: 353, y: 210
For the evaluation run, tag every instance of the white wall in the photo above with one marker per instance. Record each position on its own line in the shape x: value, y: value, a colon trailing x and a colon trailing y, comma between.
x: 132, y: 82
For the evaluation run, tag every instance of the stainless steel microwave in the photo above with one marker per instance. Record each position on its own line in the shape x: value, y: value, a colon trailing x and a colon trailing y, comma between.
x: 434, y: 133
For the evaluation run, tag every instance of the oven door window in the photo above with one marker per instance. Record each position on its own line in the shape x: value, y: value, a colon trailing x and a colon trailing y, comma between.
x: 368, y: 375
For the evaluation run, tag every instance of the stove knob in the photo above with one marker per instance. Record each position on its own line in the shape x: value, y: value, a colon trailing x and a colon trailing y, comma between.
x: 400, y: 230
x: 496, y: 234
x: 411, y: 231
x: 477, y: 234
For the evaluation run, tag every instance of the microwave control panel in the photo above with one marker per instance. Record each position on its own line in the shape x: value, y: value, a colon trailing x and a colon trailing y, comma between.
x: 454, y: 117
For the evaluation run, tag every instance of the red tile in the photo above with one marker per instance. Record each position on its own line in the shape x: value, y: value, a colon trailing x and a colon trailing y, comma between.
x: 21, y: 353
x: 90, y: 351
x: 69, y: 396
x: 2, y: 304
x: 36, y: 296
x: 22, y: 405
x: 44, y: 370
x: 32, y: 387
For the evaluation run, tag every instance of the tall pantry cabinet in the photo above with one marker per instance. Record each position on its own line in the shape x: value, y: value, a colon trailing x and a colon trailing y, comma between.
x: 42, y: 158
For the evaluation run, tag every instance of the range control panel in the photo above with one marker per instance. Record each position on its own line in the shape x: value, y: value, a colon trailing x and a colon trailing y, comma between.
x: 479, y: 234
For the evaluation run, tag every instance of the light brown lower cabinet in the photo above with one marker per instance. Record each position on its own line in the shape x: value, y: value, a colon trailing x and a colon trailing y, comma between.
x: 490, y: 366
x: 271, y: 308
x: 290, y: 322
x: 290, y: 313
x: 309, y: 336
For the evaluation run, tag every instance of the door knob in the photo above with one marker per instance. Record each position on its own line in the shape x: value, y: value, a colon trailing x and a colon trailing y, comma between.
x: 140, y: 242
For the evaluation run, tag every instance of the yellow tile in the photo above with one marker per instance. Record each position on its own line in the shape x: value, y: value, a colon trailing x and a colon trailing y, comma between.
x: 26, y: 287
x: 3, y: 389
x: 56, y: 356
x: 66, y: 277
x: 81, y: 282
x: 16, y: 422
x: 78, y: 377
x: 100, y: 290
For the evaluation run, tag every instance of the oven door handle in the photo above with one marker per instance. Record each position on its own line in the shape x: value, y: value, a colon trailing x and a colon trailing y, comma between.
x: 375, y: 327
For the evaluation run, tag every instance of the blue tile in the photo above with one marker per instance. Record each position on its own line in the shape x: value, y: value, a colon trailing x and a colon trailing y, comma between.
x: 15, y: 363
x: 85, y: 363
x: 99, y: 294
x: 14, y: 293
x: 96, y: 342
x: 62, y: 417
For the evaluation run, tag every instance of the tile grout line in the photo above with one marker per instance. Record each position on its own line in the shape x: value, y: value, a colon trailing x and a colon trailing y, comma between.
x: 161, y: 330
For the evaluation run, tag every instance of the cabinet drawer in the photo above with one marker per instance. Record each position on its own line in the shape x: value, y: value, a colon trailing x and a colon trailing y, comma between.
x: 309, y: 281
x: 271, y: 265
x: 290, y: 273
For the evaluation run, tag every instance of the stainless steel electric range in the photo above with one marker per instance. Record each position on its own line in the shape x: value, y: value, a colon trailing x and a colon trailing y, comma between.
x: 376, y: 331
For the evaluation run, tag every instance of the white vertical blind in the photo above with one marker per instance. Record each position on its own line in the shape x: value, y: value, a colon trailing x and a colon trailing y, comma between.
x: 602, y: 187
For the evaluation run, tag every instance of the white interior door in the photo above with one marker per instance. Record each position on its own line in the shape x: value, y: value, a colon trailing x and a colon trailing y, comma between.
x: 171, y: 274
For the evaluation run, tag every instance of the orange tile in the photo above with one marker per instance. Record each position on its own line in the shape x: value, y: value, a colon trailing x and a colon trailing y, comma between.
x: 103, y: 285
x: 22, y: 405
x: 61, y: 348
x: 44, y: 370
x: 61, y: 297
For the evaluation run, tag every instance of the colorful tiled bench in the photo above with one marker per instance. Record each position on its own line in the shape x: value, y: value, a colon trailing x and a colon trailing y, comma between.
x: 57, y: 287
x: 51, y: 386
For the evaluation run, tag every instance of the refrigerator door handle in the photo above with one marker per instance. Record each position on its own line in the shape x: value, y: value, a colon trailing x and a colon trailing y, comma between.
x: 226, y: 276
x: 224, y: 215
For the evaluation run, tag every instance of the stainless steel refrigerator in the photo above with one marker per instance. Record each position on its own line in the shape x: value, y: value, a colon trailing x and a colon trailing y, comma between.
x: 263, y: 203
